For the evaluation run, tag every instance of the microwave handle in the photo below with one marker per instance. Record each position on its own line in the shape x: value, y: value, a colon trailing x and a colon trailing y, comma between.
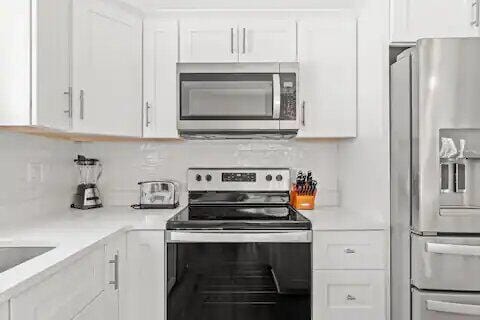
x: 276, y: 96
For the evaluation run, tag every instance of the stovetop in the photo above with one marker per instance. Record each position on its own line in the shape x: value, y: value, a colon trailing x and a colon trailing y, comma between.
x: 243, y: 217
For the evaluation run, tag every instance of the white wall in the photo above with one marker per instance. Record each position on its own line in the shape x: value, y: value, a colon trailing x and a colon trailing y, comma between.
x: 125, y: 164
x: 48, y: 192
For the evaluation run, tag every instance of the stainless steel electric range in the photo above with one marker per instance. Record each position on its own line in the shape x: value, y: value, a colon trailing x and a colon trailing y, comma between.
x: 239, y: 250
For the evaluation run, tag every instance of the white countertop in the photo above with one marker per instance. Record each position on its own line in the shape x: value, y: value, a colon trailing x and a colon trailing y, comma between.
x: 329, y: 219
x: 77, y: 232
x: 73, y: 235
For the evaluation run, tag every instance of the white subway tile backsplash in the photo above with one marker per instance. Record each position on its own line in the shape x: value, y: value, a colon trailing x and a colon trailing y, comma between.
x: 37, y: 176
x: 125, y: 164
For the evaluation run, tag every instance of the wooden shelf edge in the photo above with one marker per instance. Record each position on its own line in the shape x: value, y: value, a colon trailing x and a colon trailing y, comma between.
x: 78, y: 137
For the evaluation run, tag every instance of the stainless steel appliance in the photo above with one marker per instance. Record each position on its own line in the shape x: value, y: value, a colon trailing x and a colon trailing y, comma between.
x: 233, y: 103
x: 87, y: 195
x: 239, y: 251
x: 158, y: 195
x: 435, y: 176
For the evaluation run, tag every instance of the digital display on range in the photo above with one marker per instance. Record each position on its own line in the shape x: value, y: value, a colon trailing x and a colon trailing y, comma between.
x: 239, y: 177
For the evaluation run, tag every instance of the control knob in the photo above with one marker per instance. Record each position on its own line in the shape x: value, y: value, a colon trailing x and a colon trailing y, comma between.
x: 269, y: 177
x: 208, y: 177
x: 279, y: 177
x: 198, y: 177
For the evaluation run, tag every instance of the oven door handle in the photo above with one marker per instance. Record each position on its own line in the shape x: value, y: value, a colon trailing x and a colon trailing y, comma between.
x: 276, y: 96
x: 238, y: 237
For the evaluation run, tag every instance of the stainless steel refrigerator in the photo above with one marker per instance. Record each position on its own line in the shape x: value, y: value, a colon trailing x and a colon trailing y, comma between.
x: 435, y: 181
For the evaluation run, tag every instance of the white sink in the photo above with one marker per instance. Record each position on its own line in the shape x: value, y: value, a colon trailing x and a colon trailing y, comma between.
x: 13, y: 256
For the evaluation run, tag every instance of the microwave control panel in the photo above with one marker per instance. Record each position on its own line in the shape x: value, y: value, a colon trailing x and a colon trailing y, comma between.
x: 288, y: 86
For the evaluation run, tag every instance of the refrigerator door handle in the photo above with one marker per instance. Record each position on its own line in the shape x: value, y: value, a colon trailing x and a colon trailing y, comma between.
x: 453, y: 249
x: 450, y: 307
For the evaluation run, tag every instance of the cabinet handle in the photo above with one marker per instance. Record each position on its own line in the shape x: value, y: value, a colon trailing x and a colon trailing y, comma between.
x: 115, y: 262
x: 82, y: 104
x: 231, y: 41
x: 244, y: 40
x: 476, y: 13
x: 69, y: 93
x: 147, y: 114
x: 351, y: 298
x: 303, y: 113
x: 349, y: 251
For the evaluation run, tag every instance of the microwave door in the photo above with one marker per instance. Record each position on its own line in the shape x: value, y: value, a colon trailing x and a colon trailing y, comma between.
x: 229, y: 97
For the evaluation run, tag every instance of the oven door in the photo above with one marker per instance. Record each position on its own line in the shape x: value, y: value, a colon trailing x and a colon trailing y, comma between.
x: 229, y: 101
x: 243, y: 276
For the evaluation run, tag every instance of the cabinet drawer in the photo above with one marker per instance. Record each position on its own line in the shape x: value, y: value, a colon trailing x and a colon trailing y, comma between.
x: 349, y: 250
x: 65, y: 294
x: 348, y: 294
x: 430, y: 305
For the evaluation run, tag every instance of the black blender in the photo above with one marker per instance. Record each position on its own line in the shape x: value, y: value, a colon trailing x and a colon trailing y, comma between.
x: 87, y: 196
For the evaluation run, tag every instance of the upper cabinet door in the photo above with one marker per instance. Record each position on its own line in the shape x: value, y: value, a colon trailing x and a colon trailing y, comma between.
x: 51, y: 53
x: 328, y: 76
x: 208, y: 41
x: 107, y: 69
x: 268, y: 41
x: 160, y: 57
x: 415, y: 19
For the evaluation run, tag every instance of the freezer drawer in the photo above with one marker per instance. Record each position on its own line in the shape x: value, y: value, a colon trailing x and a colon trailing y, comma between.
x: 446, y: 263
x: 445, y: 306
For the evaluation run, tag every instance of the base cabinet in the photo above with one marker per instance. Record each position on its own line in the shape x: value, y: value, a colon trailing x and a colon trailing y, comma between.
x: 349, y: 294
x: 146, y: 275
x: 115, y: 271
x: 65, y: 294
x: 4, y: 311
x: 95, y: 310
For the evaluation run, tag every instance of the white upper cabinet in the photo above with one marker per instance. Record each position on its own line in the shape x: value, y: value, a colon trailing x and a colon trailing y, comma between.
x: 216, y: 41
x: 268, y: 41
x: 160, y: 55
x: 35, y: 63
x: 51, y: 50
x: 107, y: 69
x: 415, y: 19
x: 327, y: 56
x: 208, y: 41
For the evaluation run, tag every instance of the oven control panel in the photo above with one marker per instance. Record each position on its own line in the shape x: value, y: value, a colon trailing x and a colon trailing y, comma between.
x: 238, y: 179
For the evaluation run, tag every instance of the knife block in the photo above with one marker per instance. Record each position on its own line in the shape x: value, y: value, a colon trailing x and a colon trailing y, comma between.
x: 302, y: 202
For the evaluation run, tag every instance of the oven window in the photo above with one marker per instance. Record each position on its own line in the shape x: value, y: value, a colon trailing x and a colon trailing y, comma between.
x: 242, y: 281
x: 226, y: 97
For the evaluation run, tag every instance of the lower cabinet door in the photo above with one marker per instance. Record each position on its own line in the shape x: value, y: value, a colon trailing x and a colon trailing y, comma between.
x: 145, y: 287
x: 95, y: 310
x: 4, y: 311
x: 349, y: 294
x: 64, y: 294
x: 431, y: 305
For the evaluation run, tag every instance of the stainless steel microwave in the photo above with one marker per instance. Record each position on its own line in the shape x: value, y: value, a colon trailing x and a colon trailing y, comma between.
x: 238, y: 105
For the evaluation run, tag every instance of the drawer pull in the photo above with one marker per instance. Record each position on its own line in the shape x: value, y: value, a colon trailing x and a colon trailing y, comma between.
x: 450, y: 307
x: 349, y: 251
x: 351, y: 298
x: 453, y: 249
